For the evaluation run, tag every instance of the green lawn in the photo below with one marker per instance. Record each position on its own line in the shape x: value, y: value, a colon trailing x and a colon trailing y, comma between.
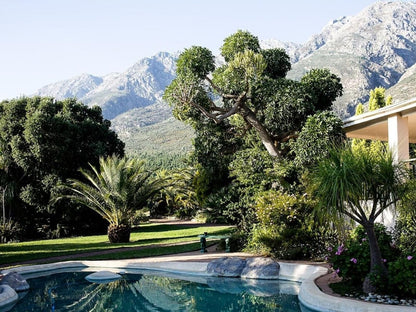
x: 148, y: 236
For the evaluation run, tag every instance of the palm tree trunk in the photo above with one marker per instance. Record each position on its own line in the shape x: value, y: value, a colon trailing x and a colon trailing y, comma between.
x: 377, y: 266
x: 119, y: 233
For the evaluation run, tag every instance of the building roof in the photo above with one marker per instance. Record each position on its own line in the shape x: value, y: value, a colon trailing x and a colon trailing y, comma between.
x: 374, y: 125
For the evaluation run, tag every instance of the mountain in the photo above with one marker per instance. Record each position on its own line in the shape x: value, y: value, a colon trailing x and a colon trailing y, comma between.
x: 405, y: 88
x: 76, y: 87
x: 376, y: 47
x: 139, y: 86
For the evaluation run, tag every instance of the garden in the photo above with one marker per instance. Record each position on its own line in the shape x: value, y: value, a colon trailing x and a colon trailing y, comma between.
x: 270, y: 161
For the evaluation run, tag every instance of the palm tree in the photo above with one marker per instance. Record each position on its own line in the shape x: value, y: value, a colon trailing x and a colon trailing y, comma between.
x: 360, y: 186
x: 115, y: 191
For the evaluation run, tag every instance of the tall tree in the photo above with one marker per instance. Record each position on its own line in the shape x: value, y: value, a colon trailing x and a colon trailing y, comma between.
x: 358, y: 186
x: 250, y: 84
x: 46, y: 141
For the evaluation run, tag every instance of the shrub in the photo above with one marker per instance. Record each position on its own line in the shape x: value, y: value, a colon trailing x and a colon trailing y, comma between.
x: 285, y: 228
x: 405, y: 227
x: 402, y: 274
x: 405, y: 233
x: 351, y: 260
x: 9, y: 231
x: 236, y: 242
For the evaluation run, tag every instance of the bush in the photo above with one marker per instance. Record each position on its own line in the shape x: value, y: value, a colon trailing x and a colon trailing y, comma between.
x: 9, y: 231
x: 405, y: 233
x: 402, y: 273
x: 405, y: 227
x: 237, y: 242
x: 285, y: 229
x: 351, y: 260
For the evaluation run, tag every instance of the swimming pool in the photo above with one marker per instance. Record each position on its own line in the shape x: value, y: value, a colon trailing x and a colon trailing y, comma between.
x: 155, y: 291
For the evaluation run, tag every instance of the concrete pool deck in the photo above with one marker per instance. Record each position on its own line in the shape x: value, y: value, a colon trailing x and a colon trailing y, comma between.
x: 195, y: 263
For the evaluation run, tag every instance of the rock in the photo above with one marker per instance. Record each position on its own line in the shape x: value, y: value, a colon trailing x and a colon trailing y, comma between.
x: 103, y: 277
x: 15, y: 281
x: 8, y: 297
x: 261, y: 268
x: 227, y: 267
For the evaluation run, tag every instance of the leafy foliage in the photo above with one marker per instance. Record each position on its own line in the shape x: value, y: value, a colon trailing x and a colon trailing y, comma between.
x: 320, y: 131
x: 278, y: 63
x: 44, y: 142
x: 324, y: 86
x: 9, y: 231
x: 377, y: 100
x: 351, y: 260
x: 403, y: 275
x: 359, y: 186
x: 286, y: 229
x: 250, y: 84
x: 238, y: 43
x: 246, y: 114
x: 116, y: 190
x: 405, y: 227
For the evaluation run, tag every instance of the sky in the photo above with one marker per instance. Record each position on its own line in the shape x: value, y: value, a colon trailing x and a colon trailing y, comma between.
x: 45, y: 41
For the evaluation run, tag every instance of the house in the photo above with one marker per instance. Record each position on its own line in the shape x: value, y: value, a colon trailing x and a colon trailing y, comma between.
x: 395, y: 124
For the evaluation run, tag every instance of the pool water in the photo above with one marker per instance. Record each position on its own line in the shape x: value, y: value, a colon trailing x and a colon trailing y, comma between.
x: 155, y: 292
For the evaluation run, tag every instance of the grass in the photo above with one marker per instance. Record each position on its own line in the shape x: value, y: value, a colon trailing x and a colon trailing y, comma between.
x: 147, y: 236
x: 148, y: 252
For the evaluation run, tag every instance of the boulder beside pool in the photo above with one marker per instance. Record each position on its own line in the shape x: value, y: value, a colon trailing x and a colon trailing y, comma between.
x: 226, y: 267
x: 103, y: 277
x: 261, y: 268
x: 8, y: 297
x: 15, y: 281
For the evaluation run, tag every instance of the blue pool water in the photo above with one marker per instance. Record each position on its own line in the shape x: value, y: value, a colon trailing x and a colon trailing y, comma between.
x: 156, y: 292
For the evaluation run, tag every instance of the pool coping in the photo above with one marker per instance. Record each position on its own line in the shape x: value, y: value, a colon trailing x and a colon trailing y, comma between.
x: 309, y: 295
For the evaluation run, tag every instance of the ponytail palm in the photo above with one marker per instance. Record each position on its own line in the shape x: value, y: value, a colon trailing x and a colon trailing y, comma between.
x: 116, y: 190
x: 359, y: 185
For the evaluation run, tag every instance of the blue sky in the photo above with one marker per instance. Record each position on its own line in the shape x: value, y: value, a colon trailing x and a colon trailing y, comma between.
x: 44, y: 41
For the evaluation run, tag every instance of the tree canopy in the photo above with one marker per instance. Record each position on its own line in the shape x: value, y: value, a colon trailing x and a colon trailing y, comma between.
x: 247, y: 118
x: 43, y: 142
x: 250, y: 83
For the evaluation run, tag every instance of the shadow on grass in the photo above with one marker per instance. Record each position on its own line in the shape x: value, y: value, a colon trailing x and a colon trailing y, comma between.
x: 13, y: 253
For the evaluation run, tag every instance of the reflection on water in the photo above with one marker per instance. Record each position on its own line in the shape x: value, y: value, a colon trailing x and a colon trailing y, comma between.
x: 146, y: 292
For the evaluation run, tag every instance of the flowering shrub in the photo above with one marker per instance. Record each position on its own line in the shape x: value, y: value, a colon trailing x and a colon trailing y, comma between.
x: 402, y: 274
x: 351, y: 260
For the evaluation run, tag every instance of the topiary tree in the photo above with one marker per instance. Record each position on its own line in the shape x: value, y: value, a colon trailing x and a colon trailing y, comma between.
x: 250, y: 85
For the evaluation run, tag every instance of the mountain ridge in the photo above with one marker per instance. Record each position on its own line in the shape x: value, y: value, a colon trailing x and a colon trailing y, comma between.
x: 376, y: 47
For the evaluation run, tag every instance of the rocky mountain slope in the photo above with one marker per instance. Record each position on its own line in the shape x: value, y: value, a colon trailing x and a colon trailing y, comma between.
x: 374, y: 48
x: 139, y: 86
x: 377, y: 47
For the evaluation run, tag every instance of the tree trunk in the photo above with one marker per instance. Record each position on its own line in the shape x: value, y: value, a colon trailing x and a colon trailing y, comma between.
x: 118, y: 233
x: 265, y: 137
x: 377, y: 266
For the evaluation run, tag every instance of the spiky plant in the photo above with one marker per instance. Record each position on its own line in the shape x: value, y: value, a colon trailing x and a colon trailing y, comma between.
x: 358, y: 185
x: 115, y: 190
